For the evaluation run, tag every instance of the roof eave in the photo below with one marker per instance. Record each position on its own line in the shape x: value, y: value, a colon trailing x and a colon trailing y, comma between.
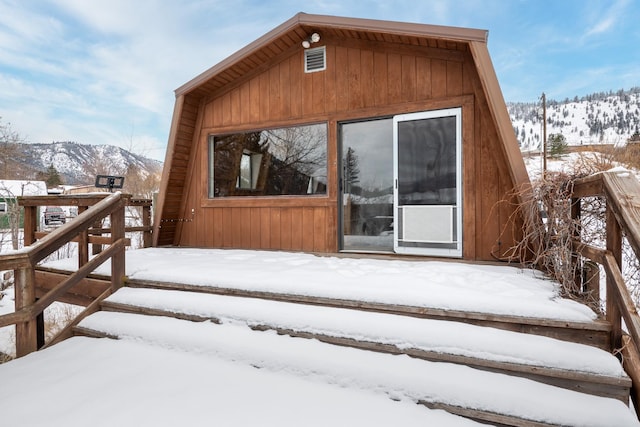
x: 395, y: 27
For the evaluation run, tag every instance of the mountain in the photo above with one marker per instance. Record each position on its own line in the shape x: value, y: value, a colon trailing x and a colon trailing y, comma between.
x: 599, y: 118
x: 79, y: 164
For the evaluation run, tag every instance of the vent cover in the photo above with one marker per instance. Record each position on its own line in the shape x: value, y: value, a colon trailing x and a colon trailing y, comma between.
x: 315, y: 60
x: 428, y: 224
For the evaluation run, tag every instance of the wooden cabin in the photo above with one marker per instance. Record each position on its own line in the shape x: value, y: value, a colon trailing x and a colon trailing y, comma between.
x: 333, y: 134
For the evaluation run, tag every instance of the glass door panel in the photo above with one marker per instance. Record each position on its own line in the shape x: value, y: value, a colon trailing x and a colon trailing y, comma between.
x: 367, y: 185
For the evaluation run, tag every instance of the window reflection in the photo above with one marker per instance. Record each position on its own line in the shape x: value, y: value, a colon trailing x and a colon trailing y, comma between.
x: 367, y: 185
x: 286, y: 161
x: 427, y: 154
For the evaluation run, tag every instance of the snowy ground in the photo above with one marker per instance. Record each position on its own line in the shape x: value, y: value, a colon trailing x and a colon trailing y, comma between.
x: 248, y: 378
x: 7, y: 340
x: 243, y: 377
x: 128, y: 383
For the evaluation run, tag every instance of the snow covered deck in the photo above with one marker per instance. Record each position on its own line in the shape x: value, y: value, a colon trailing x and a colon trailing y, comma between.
x: 165, y: 371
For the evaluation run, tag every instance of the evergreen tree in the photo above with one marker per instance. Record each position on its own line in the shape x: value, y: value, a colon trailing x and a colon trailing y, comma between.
x: 351, y: 169
x: 557, y: 144
x: 51, y: 177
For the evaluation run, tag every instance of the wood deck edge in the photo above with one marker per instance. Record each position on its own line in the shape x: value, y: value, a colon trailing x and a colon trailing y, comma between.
x: 498, y: 420
x: 92, y: 333
x: 134, y: 309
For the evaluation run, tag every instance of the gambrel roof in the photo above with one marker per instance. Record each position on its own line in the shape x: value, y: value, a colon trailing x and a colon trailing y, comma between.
x: 437, y: 41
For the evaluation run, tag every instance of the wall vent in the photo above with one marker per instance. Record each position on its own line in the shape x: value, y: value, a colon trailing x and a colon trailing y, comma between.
x: 315, y: 59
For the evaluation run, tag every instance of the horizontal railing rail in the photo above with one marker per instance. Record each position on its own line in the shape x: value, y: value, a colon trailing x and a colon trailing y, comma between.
x: 94, y: 235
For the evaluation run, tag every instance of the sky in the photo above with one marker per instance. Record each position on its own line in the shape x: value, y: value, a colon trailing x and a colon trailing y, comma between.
x: 105, y: 71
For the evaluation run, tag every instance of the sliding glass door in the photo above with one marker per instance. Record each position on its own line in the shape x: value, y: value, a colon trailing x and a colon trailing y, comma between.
x: 400, y: 184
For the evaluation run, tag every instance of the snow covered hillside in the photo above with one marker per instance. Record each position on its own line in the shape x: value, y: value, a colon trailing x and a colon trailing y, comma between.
x: 79, y: 163
x: 608, y: 118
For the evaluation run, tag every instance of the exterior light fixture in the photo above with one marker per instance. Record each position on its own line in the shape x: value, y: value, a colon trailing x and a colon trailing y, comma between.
x: 110, y: 182
x: 313, y: 38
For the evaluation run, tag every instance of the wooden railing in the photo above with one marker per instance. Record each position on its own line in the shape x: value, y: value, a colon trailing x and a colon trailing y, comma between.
x: 94, y: 235
x: 621, y: 192
x: 29, y: 311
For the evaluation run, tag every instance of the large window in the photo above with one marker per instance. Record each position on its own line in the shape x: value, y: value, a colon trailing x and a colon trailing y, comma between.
x: 286, y: 161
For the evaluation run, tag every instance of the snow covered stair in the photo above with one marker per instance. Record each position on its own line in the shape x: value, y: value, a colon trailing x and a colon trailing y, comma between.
x: 569, y: 365
x: 588, y: 331
x: 480, y: 395
x: 490, y: 342
x: 482, y: 373
x: 501, y: 296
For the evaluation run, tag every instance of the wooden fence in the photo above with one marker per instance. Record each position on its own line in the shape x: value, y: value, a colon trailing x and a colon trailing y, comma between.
x: 621, y: 192
x: 28, y: 316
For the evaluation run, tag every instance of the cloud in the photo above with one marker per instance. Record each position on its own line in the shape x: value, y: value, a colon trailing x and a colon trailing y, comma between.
x: 26, y: 26
x: 104, y: 71
x: 605, y: 21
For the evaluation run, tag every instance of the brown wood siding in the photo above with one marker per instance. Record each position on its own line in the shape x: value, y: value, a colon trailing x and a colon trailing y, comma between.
x: 363, y: 79
x: 176, y: 171
x: 286, y: 228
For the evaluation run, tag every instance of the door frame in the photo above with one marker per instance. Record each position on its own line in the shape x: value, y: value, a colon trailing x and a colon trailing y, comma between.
x: 436, y: 250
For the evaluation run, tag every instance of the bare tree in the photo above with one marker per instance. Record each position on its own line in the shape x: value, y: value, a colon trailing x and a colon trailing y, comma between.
x: 10, y: 152
x: 141, y: 183
x: 13, y: 211
x: 553, y: 228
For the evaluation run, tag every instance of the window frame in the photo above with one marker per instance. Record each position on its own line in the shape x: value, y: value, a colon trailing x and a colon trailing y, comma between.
x: 257, y: 166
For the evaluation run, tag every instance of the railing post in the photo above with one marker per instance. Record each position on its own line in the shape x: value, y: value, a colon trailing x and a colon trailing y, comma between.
x: 614, y: 245
x: 40, y: 335
x: 591, y: 281
x: 83, y: 242
x: 30, y: 224
x: 25, y: 295
x: 95, y: 247
x: 118, y: 259
x: 576, y: 213
x: 146, y: 223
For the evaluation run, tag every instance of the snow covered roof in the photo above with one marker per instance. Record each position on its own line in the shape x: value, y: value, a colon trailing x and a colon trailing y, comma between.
x: 15, y: 188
